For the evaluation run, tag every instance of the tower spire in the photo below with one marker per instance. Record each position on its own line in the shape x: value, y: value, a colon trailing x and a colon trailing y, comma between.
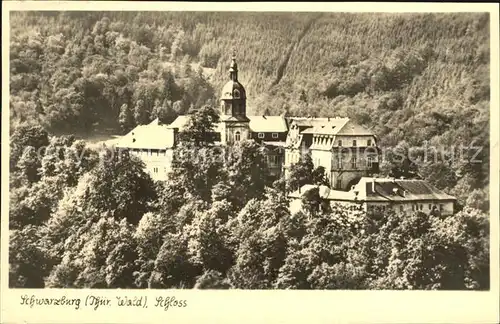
x: 233, y: 68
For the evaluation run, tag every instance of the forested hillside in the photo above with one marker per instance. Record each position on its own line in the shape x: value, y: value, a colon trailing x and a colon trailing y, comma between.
x: 414, y: 79
x: 410, y: 77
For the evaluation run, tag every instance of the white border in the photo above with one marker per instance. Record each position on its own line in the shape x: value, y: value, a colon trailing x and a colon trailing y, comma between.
x: 265, y: 306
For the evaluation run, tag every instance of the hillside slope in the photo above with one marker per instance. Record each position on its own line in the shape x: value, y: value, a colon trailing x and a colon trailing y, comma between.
x: 412, y: 78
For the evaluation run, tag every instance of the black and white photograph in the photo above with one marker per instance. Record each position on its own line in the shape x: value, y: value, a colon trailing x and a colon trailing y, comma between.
x: 239, y: 150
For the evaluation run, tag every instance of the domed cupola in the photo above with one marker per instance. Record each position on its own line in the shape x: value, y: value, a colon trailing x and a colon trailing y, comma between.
x: 233, y: 89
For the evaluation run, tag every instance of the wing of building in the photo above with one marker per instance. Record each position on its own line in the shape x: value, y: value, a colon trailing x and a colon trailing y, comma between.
x: 346, y: 150
x: 401, y: 195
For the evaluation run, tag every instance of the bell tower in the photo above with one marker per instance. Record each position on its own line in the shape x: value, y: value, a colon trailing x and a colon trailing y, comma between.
x: 235, y: 123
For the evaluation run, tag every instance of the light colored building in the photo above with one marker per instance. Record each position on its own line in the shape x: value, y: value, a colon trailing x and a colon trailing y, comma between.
x: 346, y: 150
x: 153, y: 144
x: 400, y: 195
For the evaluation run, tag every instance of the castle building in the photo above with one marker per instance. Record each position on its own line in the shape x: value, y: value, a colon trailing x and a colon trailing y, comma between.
x: 348, y: 152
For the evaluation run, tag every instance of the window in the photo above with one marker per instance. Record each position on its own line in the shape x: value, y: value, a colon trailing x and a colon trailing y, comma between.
x: 237, y: 136
x: 236, y: 94
x: 354, y: 143
x: 370, y: 161
x: 441, y: 207
x: 275, y: 135
x: 369, y: 143
x: 412, y: 207
x: 340, y: 142
x: 353, y: 162
x: 401, y: 208
x: 261, y: 135
x: 430, y: 207
x: 421, y: 207
x: 339, y: 183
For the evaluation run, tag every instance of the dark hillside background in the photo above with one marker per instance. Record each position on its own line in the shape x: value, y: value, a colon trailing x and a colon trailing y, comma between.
x: 410, y: 77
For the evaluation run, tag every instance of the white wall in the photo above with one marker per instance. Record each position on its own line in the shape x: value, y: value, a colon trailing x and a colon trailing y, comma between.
x: 158, y: 164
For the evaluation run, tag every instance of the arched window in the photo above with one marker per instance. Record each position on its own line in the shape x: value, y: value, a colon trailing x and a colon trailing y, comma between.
x: 236, y: 94
x: 237, y: 136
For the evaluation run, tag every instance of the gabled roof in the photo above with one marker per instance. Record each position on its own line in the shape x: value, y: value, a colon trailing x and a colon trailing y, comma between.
x: 263, y: 124
x: 336, y: 126
x: 258, y: 124
x: 351, y: 128
x: 151, y: 136
x: 328, y: 127
x: 308, y: 121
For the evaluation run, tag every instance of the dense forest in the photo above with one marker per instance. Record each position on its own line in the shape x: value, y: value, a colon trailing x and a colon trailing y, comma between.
x: 78, y: 219
x: 81, y: 218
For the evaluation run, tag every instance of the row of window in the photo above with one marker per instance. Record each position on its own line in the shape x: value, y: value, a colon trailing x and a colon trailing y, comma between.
x: 416, y: 207
x: 355, y: 143
x: 150, y: 153
x: 325, y: 140
x: 370, y: 161
x: 354, y: 163
x: 262, y: 135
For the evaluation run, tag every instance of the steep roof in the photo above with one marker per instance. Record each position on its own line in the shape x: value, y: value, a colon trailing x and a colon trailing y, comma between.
x: 308, y: 121
x: 262, y: 124
x: 330, y: 127
x: 258, y: 124
x: 151, y: 136
x: 336, y: 126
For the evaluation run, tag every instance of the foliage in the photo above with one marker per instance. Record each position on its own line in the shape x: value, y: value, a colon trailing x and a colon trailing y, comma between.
x: 81, y: 218
x: 303, y: 172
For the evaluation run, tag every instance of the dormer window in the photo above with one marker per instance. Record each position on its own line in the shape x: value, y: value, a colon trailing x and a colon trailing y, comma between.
x: 236, y: 94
